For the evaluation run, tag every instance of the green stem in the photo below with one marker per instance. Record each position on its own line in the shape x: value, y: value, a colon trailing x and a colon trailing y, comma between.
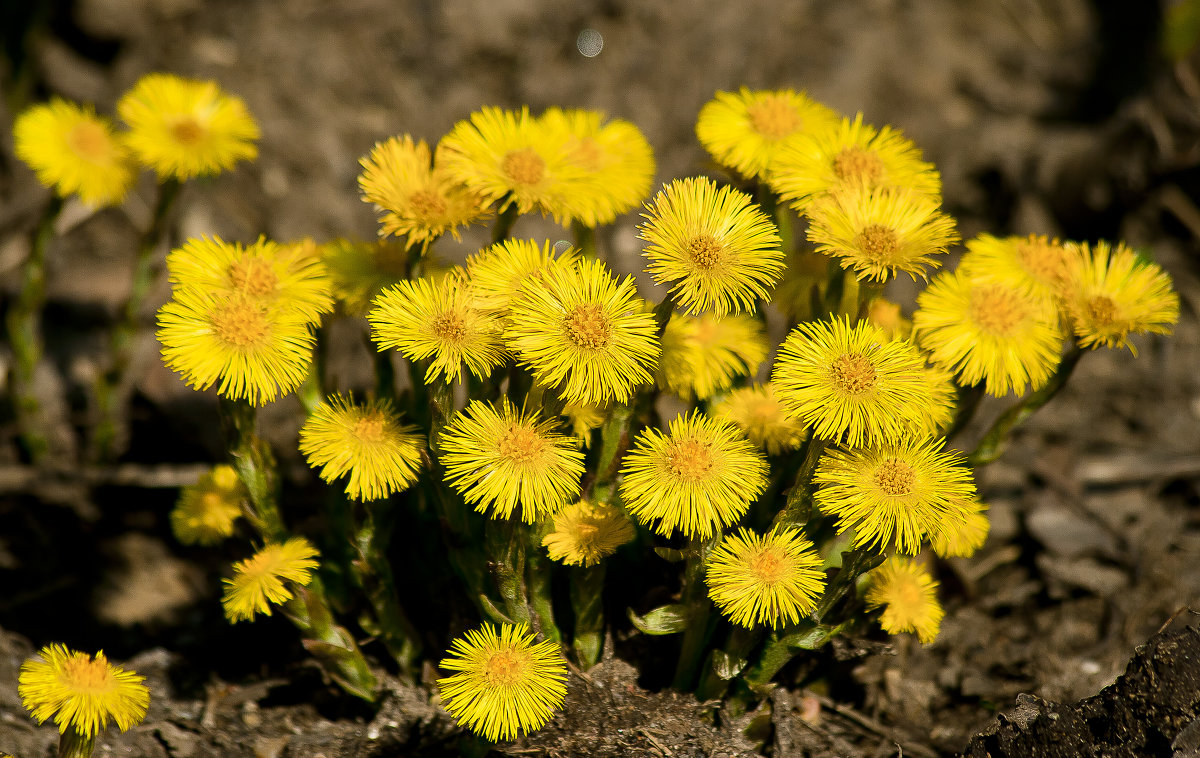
x: 504, y: 222
x: 540, y: 571
x: 24, y: 323
x: 329, y: 643
x: 662, y: 314
x: 73, y: 744
x: 855, y: 563
x: 714, y: 681
x: 993, y: 444
x: 396, y: 630
x: 699, y: 611
x: 505, y: 546
x: 798, y: 508
x: 966, y: 403
x: 585, y: 239
x: 587, y: 601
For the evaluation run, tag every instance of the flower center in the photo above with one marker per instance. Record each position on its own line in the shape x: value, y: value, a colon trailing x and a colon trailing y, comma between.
x: 1102, y: 311
x: 884, y: 314
x: 997, y: 310
x: 520, y: 444
x: 523, y: 166
x: 427, y: 204
x: 187, y: 131
x: 449, y: 327
x: 706, y: 251
x: 691, y: 461
x: 855, y: 164
x: 852, y: 373
x: 369, y: 429
x: 773, y: 117
x: 83, y: 675
x: 240, y: 323
x: 503, y: 668
x: 90, y: 142
x: 895, y: 478
x: 878, y: 242
x: 588, y: 155
x: 252, y: 277
x: 1045, y: 262
x: 905, y: 598
x: 587, y: 327
x: 768, y: 567
x: 585, y: 534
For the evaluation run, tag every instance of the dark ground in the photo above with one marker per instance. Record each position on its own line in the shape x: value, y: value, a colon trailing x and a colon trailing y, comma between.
x: 1045, y: 116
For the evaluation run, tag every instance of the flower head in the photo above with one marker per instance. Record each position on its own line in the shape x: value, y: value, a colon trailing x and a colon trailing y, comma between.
x: 749, y: 129
x: 365, y: 441
x: 584, y: 417
x: 585, y: 333
x: 207, y: 509
x: 894, y: 494
x: 74, y: 151
x: 359, y: 271
x: 505, y: 682
x: 762, y: 418
x: 586, y: 532
x: 183, y: 128
x: 878, y: 233
x: 699, y: 477
x: 850, y: 383
x: 1111, y: 292
x: 962, y: 539
x: 987, y: 331
x: 503, y: 271
x: 773, y: 579
x: 417, y: 200
x: 259, y: 580
x: 436, y: 320
x: 81, y: 693
x: 500, y: 459
x: 710, y: 246
x: 908, y: 594
x: 702, y: 355
x: 889, y: 319
x: 1034, y: 263
x: 249, y: 349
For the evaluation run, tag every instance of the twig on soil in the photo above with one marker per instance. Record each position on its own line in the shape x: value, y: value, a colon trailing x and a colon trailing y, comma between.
x: 873, y: 726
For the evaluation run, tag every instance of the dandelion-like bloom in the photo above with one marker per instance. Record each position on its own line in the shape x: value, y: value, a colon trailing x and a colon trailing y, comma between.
x: 773, y: 579
x: 510, y: 156
x: 702, y: 355
x: 183, y: 128
x: 74, y: 151
x: 710, y: 246
x: 615, y: 159
x: 366, y: 441
x: 762, y: 418
x: 1034, y: 263
x: 987, y: 331
x: 250, y: 350
x: 1112, y: 292
x: 436, y: 320
x: 849, y: 383
x: 585, y: 333
x: 888, y: 318
x: 699, y: 477
x: 851, y: 154
x: 943, y: 403
x: 962, y: 539
x: 909, y: 596
x: 505, y: 682
x: 584, y: 417
x: 749, y: 129
x: 359, y: 271
x: 503, y: 271
x: 502, y: 459
x: 81, y: 693
x: 259, y: 580
x: 289, y: 276
x: 878, y: 233
x: 417, y: 199
x: 587, y: 532
x: 207, y: 509
x: 894, y: 494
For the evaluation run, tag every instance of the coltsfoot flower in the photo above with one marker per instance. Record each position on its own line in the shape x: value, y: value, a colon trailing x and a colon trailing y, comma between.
x: 703, y: 355
x: 366, y: 441
x: 962, y: 539
x: 771, y: 580
x: 207, y: 510
x: 359, y: 271
x: 259, y: 581
x: 587, y: 532
x: 80, y: 692
x: 1034, y: 263
x: 503, y: 271
x: 908, y: 595
x: 762, y: 418
x: 504, y: 683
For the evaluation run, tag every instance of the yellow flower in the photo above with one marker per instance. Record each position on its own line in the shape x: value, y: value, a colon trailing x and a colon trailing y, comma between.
x: 710, y: 246
x: 1032, y: 263
x: 500, y: 460
x: 849, y: 383
x: 877, y: 233
x: 762, y: 418
x: 699, y: 477
x: 289, y: 276
x: 183, y: 128
x: 585, y: 417
x: 773, y: 579
x: 510, y: 156
x: 359, y: 271
x: 585, y: 333
x: 365, y: 441
x: 74, y: 151
x: 886, y: 316
x: 254, y: 351
x: 586, y: 532
x: 943, y: 403
x: 207, y: 509
x: 81, y: 693
x: 987, y: 331
x: 702, y: 355
x: 616, y: 162
x: 505, y: 683
x: 748, y: 130
x: 259, y: 580
x: 417, y: 199
x: 909, y: 593
x: 894, y: 494
x: 436, y: 320
x: 851, y: 154
x: 503, y: 271
x: 1112, y: 292
x: 962, y: 539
